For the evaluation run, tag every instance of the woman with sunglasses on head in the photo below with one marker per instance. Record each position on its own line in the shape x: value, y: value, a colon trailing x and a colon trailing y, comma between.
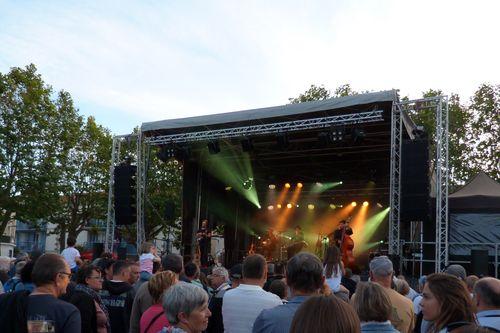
x: 86, y: 298
x: 446, y: 303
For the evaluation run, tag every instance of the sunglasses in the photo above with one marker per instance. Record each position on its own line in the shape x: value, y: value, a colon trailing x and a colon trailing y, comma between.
x: 68, y: 274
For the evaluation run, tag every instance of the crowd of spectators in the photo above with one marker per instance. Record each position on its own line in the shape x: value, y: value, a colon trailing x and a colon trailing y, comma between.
x: 60, y: 293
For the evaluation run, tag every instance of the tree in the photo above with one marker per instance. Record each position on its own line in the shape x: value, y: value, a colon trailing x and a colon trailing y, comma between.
x: 314, y: 93
x: 26, y: 137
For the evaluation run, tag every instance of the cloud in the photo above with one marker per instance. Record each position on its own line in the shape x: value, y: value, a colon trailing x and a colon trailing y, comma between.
x: 157, y: 60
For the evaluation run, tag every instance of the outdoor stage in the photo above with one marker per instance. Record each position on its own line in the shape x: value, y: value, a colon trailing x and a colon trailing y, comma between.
x: 304, y: 174
x: 311, y: 165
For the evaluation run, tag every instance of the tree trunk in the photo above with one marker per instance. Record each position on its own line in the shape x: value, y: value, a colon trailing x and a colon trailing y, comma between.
x: 5, y: 221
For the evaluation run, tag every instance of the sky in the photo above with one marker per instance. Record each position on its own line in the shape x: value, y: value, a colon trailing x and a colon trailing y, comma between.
x: 129, y: 62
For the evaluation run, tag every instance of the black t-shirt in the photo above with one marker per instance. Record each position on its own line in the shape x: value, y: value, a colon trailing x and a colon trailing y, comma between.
x: 52, y: 315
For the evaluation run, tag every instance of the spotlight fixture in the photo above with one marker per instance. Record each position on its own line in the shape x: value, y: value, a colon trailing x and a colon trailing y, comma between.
x: 365, y: 203
x: 272, y: 186
x: 258, y: 237
x: 228, y: 188
x: 287, y: 185
x: 332, y: 206
x: 299, y: 185
x: 341, y: 206
x: 278, y: 206
x: 319, y: 184
x: 337, y: 134
x: 340, y: 182
x: 270, y: 207
x: 297, y: 205
x: 310, y: 206
x: 289, y: 205
x: 354, y: 203
x: 213, y: 147
x: 379, y: 205
x: 165, y: 153
x: 248, y: 183
x: 381, y: 242
x: 358, y: 135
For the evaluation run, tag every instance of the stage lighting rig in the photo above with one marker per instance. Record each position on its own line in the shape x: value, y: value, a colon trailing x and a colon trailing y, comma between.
x: 287, y: 185
x: 248, y: 184
x: 213, y: 147
x: 354, y: 203
x: 247, y: 144
x: 365, y: 203
x: 272, y: 186
x: 289, y: 206
x: 300, y: 185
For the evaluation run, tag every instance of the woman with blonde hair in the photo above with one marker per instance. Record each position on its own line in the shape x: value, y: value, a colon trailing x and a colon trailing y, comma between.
x: 153, y: 319
x: 373, y: 307
x: 446, y: 303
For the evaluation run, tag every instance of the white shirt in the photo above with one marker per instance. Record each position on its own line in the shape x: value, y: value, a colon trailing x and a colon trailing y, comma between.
x: 334, y: 281
x: 242, y: 305
x: 489, y: 318
x: 70, y: 254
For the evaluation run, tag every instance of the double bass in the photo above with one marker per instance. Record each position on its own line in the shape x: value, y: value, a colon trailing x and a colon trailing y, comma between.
x: 347, y: 247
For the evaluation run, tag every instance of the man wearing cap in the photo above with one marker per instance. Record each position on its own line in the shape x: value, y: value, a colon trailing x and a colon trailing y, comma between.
x: 219, y: 280
x: 402, y: 317
x: 457, y: 270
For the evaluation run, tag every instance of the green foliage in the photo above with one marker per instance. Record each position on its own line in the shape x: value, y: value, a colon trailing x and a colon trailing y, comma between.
x: 314, y: 93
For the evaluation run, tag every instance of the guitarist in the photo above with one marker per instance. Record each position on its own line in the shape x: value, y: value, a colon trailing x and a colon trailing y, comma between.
x: 204, y: 237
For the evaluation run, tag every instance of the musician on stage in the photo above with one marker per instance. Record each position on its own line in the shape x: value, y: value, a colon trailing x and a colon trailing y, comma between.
x: 299, y: 235
x: 204, y: 236
x: 341, y: 238
x: 297, y: 243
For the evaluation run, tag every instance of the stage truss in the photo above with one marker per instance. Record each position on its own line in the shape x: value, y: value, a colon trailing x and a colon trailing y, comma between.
x: 439, y: 104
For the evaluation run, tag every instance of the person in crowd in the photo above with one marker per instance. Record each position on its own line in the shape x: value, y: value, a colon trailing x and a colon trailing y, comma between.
x: 143, y: 299
x: 325, y: 314
x: 381, y: 272
x: 470, y: 281
x: 348, y: 282
x: 153, y: 319
x: 275, y: 272
x: 72, y: 255
x: 236, y: 275
x: 487, y: 299
x: 417, y: 299
x: 304, y: 276
x: 135, y: 271
x: 334, y: 268
x: 373, y: 307
x: 11, y: 284
x: 93, y: 312
x: 446, y: 301
x: 118, y: 296
x: 219, y: 280
x: 457, y: 270
x: 279, y: 288
x: 186, y: 308
x: 146, y: 259
x: 26, y: 278
x: 24, y: 312
x: 192, y: 272
x: 242, y: 305
x: 402, y: 287
x: 412, y: 293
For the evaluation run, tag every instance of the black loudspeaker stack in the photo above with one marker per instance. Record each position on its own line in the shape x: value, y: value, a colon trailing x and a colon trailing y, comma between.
x: 125, y: 194
x: 97, y: 250
x: 479, y: 262
x: 415, y: 180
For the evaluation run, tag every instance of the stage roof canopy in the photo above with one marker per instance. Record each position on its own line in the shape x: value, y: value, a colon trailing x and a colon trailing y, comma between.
x: 481, y: 192
x: 263, y: 114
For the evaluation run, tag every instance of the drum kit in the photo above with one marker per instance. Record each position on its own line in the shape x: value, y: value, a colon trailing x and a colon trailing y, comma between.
x: 276, y: 246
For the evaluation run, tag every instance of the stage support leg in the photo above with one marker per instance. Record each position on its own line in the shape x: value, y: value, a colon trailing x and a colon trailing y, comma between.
x: 190, y: 206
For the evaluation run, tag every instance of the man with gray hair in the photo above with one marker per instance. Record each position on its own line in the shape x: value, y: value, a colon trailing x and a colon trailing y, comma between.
x: 487, y: 299
x: 186, y: 308
x: 381, y: 272
x: 219, y: 280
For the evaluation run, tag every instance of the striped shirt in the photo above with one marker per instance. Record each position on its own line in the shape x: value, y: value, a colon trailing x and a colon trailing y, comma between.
x: 242, y: 305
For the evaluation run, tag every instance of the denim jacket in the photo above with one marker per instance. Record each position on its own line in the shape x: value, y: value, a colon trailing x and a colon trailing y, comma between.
x: 376, y: 327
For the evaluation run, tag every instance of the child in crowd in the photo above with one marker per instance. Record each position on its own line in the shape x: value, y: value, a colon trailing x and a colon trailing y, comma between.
x: 146, y: 259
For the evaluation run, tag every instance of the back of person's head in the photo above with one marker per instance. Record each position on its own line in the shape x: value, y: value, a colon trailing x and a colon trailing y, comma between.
x: 26, y: 272
x: 270, y: 269
x: 332, y: 260
x: 402, y: 287
x: 119, y: 267
x: 371, y: 302
x: 279, y: 268
x: 453, y: 298
x: 159, y: 283
x: 105, y: 263
x: 488, y: 291
x: 46, y: 268
x: 19, y: 266
x: 304, y: 272
x: 278, y: 287
x: 254, y: 267
x: 325, y: 314
x: 146, y: 247
x: 470, y: 281
x: 457, y: 271
x: 381, y: 266
x: 182, y: 298
x: 191, y: 270
x: 35, y: 254
x: 172, y: 262
x: 473, y: 328
x: 86, y: 272
x: 71, y: 241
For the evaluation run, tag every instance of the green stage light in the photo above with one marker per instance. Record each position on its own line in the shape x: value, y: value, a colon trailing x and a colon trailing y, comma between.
x: 322, y: 187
